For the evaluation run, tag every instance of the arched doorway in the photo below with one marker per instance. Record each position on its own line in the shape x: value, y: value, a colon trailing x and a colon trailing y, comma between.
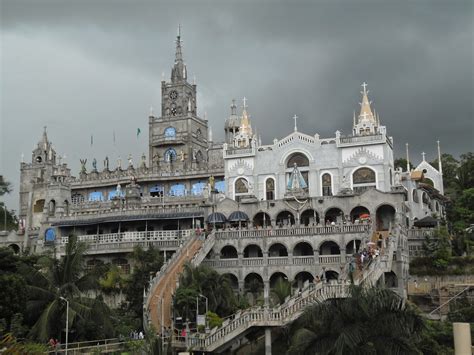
x: 262, y: 220
x: 385, y: 217
x: 276, y: 277
x: 277, y: 250
x: 360, y: 214
x: 329, y: 248
x: 228, y: 252
x: 15, y: 248
x: 353, y: 247
x: 329, y: 275
x: 309, y: 217
x: 303, y: 249
x: 333, y: 216
x: 253, y: 251
x: 233, y: 281
x: 253, y: 287
x: 285, y: 219
x: 391, y: 279
x: 301, y: 278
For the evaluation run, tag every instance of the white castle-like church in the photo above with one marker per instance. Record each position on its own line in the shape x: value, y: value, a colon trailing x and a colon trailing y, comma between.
x: 298, y: 208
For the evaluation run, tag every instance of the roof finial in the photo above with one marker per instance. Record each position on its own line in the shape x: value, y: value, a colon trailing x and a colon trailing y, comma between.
x: 179, y: 30
x: 295, y: 118
x: 423, y: 155
x: 245, y: 102
x: 151, y: 112
x: 233, y: 108
x: 179, y: 55
x: 408, y: 158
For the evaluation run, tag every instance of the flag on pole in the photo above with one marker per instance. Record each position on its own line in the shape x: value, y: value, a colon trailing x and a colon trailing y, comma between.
x: 138, y: 132
x: 92, y: 140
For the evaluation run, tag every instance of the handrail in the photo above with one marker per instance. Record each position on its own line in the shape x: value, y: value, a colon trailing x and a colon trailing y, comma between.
x: 448, y: 301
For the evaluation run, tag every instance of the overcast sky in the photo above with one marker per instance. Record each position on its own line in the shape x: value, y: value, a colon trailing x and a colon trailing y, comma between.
x: 91, y: 67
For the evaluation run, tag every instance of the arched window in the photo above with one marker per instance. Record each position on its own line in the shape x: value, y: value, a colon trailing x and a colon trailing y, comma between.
x: 270, y: 189
x: 299, y: 158
x: 326, y: 182
x: 177, y: 190
x: 52, y: 207
x: 363, y: 179
x: 66, y: 207
x: 199, y: 157
x: 241, y: 186
x: 170, y: 133
x: 415, y: 196
x: 198, y: 188
x: 170, y: 155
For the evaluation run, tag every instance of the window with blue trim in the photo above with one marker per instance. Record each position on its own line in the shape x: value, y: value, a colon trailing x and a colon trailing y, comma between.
x: 170, y: 155
x: 157, y: 191
x: 114, y: 193
x: 170, y: 133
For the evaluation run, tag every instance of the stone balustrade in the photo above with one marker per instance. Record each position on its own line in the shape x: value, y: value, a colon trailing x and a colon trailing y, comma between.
x: 292, y: 231
x: 275, y: 261
x: 420, y: 233
x: 166, y: 235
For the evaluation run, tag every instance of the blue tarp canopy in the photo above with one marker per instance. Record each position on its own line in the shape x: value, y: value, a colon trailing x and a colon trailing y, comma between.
x: 220, y: 186
x: 114, y: 193
x: 96, y: 196
x: 216, y: 217
x: 157, y: 188
x: 237, y: 216
x: 198, y: 188
x: 178, y: 190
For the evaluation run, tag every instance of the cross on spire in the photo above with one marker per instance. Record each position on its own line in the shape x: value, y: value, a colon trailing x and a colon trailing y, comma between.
x: 364, y: 86
x: 295, y: 118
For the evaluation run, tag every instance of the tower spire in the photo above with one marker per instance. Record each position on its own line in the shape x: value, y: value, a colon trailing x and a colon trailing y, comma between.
x: 440, y: 166
x: 365, y: 110
x: 178, y: 73
x: 408, y: 159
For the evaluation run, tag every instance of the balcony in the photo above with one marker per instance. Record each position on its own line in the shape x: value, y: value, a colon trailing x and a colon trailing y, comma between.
x: 292, y: 231
x: 161, y: 139
x: 239, y: 152
x: 126, y: 241
x: 420, y: 233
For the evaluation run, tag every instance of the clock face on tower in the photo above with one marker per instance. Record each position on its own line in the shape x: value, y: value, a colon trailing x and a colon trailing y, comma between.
x: 173, y: 95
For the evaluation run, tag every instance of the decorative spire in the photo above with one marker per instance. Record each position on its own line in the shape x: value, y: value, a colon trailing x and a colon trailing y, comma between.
x: 209, y: 135
x: 178, y: 73
x: 365, y: 110
x: 233, y: 108
x: 179, y: 54
x: 440, y: 166
x: 408, y: 159
x: 423, y: 155
x: 44, y: 140
x: 245, y: 126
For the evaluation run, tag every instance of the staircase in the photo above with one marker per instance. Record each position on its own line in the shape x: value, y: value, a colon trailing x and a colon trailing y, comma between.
x: 237, y: 325
x: 158, y: 299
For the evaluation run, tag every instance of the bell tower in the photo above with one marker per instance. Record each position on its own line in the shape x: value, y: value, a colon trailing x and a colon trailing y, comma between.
x: 178, y: 138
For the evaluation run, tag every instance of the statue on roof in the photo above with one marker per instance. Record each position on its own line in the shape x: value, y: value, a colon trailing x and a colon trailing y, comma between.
x: 106, y: 163
x: 83, y: 166
x: 94, y: 164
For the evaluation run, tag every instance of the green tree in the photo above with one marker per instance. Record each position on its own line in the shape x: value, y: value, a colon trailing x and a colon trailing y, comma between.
x: 207, y: 282
x: 450, y: 171
x: 281, y: 290
x: 438, y: 247
x: 147, y: 263
x: 466, y: 171
x: 5, y: 186
x: 62, y: 278
x: 368, y: 321
x: 402, y: 163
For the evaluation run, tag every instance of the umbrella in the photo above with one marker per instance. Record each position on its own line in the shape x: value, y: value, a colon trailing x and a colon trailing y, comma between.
x: 216, y: 217
x: 364, y: 216
x: 237, y: 216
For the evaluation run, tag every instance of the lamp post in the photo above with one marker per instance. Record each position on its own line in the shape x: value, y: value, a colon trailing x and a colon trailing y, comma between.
x: 197, y: 310
x: 67, y: 320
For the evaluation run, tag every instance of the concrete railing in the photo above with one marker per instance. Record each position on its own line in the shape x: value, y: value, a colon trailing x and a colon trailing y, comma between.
x: 205, y: 249
x: 293, y: 231
x: 132, y: 236
x: 420, y: 233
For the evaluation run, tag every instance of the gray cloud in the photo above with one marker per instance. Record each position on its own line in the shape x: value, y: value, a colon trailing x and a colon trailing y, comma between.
x: 94, y: 67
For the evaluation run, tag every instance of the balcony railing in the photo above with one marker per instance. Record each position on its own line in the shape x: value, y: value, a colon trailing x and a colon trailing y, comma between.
x: 293, y: 231
x: 374, y: 138
x: 239, y: 151
x: 420, y: 233
x: 172, y: 235
x: 274, y: 261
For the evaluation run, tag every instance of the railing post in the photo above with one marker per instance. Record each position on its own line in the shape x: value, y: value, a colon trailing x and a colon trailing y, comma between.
x: 316, y: 256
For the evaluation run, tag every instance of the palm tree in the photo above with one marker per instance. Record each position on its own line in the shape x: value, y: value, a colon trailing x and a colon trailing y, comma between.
x: 281, y: 290
x: 369, y: 321
x: 58, y: 280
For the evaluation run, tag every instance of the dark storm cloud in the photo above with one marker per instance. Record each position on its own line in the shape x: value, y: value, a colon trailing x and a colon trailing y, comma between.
x: 94, y: 67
